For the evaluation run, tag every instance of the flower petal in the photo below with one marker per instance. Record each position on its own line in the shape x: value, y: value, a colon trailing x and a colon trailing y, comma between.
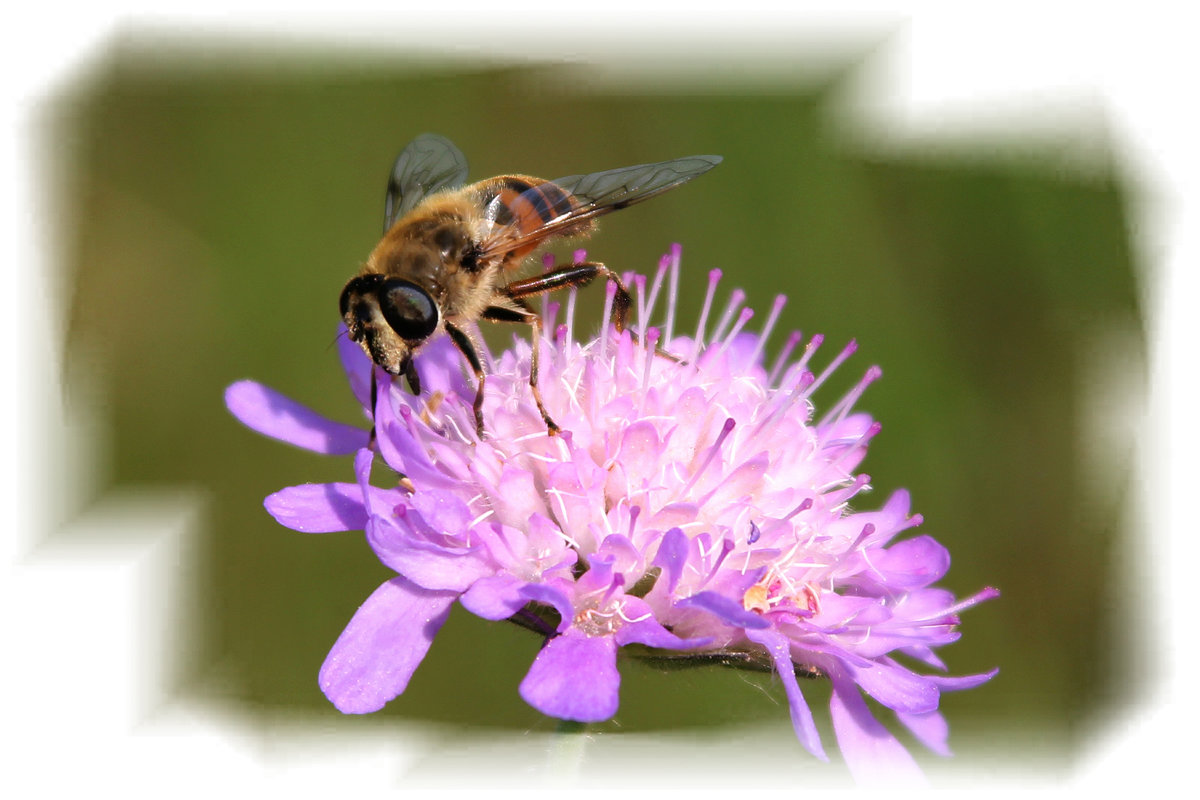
x: 270, y: 413
x: 425, y: 563
x: 575, y: 677
x: 802, y: 719
x: 896, y: 687
x: 552, y: 594
x: 495, y: 598
x: 357, y: 367
x: 379, y: 650
x: 441, y: 368
x: 638, y: 455
x: 645, y: 629
x: 517, y: 497
x: 363, y: 460
x: 930, y: 729
x: 728, y: 610
x: 959, y: 682
x: 444, y: 512
x: 872, y: 753
x: 672, y: 557
x: 405, y: 453
x: 923, y: 654
x: 318, y: 507
x: 912, y: 563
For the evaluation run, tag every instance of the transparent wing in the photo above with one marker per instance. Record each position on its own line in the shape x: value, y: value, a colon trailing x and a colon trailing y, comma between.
x: 590, y: 196
x: 428, y: 164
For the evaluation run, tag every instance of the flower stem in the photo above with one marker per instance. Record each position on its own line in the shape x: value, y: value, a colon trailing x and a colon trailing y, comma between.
x: 569, y: 726
x: 566, y: 751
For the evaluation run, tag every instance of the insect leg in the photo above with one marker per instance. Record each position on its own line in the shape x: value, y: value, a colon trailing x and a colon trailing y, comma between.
x: 410, y: 372
x: 574, y: 275
x: 581, y: 275
x: 467, y: 348
x: 374, y: 403
x: 519, y: 312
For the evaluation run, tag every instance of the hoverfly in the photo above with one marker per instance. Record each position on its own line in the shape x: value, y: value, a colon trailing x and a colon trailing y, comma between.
x: 447, y: 250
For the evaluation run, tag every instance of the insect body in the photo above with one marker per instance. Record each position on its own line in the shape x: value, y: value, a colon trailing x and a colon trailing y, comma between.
x: 448, y: 249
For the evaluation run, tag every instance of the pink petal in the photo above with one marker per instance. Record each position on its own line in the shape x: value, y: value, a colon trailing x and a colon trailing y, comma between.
x: 930, y: 729
x: 725, y: 609
x: 380, y: 649
x: 442, y: 369
x: 425, y: 563
x: 444, y: 512
x: 672, y: 557
x: 406, y: 453
x: 645, y: 629
x: 575, y: 677
x: 872, y: 753
x: 553, y: 593
x: 639, y: 454
x: 318, y: 507
x: 270, y: 413
x: 802, y: 719
x: 357, y: 367
x: 958, y: 683
x: 912, y: 563
x: 896, y: 687
x: 495, y: 598
x: 516, y: 497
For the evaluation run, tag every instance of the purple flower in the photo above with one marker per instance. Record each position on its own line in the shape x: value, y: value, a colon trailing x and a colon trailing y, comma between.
x: 695, y: 507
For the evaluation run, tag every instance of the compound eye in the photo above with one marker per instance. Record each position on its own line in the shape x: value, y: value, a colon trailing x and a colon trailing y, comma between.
x: 356, y: 289
x: 408, y: 309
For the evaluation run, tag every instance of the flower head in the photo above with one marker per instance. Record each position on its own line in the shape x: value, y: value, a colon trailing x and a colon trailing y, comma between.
x: 694, y: 505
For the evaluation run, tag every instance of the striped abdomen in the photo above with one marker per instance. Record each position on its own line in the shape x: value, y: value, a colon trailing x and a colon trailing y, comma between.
x: 521, y: 205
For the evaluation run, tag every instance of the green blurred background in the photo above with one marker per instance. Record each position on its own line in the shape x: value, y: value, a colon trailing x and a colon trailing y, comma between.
x: 215, y: 206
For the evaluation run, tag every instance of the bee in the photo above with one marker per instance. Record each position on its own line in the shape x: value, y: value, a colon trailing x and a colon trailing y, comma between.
x: 448, y: 250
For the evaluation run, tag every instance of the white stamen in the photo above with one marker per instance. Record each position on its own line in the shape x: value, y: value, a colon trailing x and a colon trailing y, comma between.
x: 736, y: 298
x: 621, y: 614
x: 652, y: 299
x: 673, y: 295
x: 792, y: 340
x: 713, y: 449
x: 713, y: 277
x: 648, y: 358
x: 610, y: 292
x: 744, y: 317
x: 847, y: 351
x: 843, y: 406
x: 639, y: 282
x: 782, y: 402
x: 776, y: 310
x: 570, y: 319
x: 813, y: 345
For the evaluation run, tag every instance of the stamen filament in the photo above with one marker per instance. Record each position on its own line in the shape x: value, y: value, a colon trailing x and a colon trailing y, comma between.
x: 713, y: 449
x: 843, y: 406
x: 736, y: 298
x: 847, y: 351
x: 776, y: 310
x: 672, y: 294
x: 713, y: 277
x: 793, y: 339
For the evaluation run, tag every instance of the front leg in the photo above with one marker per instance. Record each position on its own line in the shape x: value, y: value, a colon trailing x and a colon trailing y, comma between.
x: 467, y: 348
x: 519, y: 312
x: 574, y: 275
x: 579, y: 275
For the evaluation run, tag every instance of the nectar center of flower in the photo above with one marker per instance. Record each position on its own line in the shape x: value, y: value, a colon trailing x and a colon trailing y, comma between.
x: 597, y: 622
x: 774, y: 592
